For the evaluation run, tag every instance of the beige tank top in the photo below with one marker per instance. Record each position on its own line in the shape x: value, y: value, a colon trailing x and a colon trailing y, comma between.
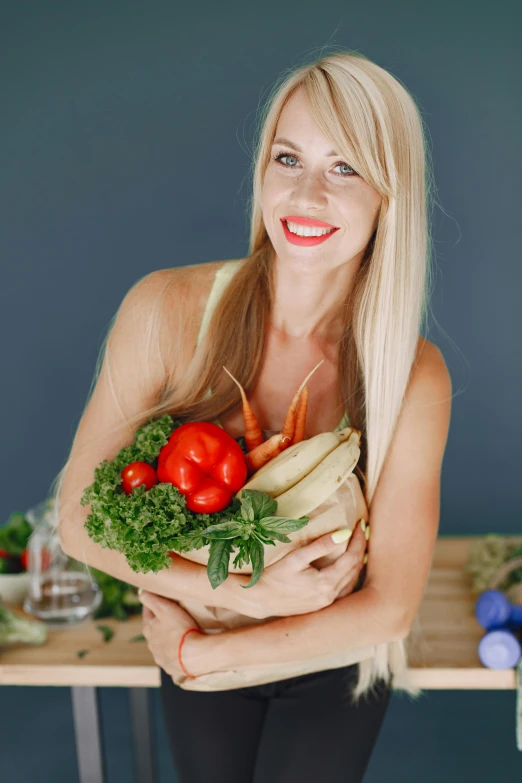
x: 342, y: 509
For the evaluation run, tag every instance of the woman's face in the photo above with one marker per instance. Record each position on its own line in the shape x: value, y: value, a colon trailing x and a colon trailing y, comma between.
x: 311, y: 182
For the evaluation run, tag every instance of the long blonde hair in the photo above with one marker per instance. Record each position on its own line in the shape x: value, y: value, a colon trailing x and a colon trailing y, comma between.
x: 374, y: 123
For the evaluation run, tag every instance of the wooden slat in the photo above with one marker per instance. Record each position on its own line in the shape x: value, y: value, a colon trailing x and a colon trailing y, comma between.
x: 444, y: 656
x: 118, y: 662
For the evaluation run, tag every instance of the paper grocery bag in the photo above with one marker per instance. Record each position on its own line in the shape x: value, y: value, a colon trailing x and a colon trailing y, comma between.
x: 343, y: 509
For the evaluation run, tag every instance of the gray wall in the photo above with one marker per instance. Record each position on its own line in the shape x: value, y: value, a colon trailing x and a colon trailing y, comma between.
x: 124, y: 145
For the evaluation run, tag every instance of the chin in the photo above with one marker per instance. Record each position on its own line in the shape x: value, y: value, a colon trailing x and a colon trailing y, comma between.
x: 305, y: 262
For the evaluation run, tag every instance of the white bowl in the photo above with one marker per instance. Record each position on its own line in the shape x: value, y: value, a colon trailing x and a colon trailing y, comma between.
x: 14, y: 587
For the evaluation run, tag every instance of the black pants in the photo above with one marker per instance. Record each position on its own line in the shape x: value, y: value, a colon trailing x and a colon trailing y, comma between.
x: 299, y: 730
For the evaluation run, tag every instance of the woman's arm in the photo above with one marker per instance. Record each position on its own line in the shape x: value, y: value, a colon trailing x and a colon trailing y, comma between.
x: 404, y: 519
x: 131, y: 381
x: 183, y: 580
x: 351, y: 623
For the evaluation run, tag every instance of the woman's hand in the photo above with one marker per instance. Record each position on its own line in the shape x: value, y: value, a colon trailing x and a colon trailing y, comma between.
x: 164, y: 623
x: 293, y: 586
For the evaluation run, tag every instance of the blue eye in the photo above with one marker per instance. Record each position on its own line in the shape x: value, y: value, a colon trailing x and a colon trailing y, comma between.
x: 282, y: 155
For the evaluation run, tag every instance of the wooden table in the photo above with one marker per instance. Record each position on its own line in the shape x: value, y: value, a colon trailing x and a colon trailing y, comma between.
x: 445, y: 658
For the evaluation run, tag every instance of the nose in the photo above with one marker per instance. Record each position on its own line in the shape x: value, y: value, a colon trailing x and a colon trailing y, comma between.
x: 308, y: 195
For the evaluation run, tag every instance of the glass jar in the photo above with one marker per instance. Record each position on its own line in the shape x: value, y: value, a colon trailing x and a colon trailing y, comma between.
x: 61, y: 590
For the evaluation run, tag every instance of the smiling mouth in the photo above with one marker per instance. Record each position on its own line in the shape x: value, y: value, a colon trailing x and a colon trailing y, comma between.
x: 305, y: 239
x: 317, y: 231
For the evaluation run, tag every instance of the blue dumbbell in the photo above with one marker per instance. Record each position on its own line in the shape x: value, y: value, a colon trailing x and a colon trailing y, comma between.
x: 499, y: 649
x: 494, y: 610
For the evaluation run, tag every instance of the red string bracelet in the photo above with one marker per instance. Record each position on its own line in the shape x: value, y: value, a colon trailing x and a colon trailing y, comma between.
x: 192, y: 676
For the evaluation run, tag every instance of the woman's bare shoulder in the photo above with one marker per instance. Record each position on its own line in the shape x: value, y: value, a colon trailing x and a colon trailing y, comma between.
x: 189, y: 288
x: 427, y: 350
x: 187, y: 291
x: 193, y: 280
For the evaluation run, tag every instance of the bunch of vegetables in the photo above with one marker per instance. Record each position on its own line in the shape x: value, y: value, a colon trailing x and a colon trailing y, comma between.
x: 487, y: 555
x: 14, y: 538
x: 119, y: 599
x: 180, y: 487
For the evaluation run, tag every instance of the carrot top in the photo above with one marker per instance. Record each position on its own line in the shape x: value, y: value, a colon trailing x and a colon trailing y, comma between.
x: 300, y: 417
x: 287, y: 432
x: 253, y: 433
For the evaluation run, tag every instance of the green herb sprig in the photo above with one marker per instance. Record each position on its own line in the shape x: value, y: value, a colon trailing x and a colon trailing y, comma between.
x: 148, y: 524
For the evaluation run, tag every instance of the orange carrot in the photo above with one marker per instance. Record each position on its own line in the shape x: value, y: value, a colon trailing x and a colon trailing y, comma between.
x: 266, y: 451
x: 289, y: 425
x: 253, y: 433
x: 262, y: 454
x: 300, y: 417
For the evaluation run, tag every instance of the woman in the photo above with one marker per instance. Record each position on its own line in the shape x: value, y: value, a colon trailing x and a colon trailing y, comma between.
x: 341, y: 147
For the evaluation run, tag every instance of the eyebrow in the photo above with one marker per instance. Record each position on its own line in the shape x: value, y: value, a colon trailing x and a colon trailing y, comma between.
x: 297, y: 148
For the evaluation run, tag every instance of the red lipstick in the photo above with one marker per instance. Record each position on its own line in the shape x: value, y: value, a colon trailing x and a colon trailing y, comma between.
x: 303, y: 221
x: 294, y: 239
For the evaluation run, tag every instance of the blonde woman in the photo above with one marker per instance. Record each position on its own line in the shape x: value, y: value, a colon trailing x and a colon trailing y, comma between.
x: 342, y: 150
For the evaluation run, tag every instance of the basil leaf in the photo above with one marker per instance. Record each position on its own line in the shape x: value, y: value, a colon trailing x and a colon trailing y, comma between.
x: 257, y: 558
x: 283, y: 524
x: 230, y: 529
x: 275, y: 534
x: 266, y: 538
x: 243, y: 555
x: 247, y: 509
x: 217, y: 566
x: 262, y: 503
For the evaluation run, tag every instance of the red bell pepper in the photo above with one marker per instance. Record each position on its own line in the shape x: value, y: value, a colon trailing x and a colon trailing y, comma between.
x: 205, y: 463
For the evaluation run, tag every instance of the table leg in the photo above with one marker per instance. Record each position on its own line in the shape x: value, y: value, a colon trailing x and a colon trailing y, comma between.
x: 142, y: 736
x: 89, y: 751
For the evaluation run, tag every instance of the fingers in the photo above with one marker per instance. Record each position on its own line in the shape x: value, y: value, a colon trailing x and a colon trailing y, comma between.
x: 350, y: 561
x: 157, y: 603
x: 147, y: 619
x: 348, y: 587
x: 316, y: 549
x: 359, y: 539
x: 147, y: 614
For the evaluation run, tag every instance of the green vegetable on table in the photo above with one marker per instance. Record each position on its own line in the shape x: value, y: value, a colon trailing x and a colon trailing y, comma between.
x: 15, y: 534
x: 14, y: 537
x: 486, y: 556
x: 107, y: 632
x: 15, y: 629
x: 119, y: 599
x: 147, y: 524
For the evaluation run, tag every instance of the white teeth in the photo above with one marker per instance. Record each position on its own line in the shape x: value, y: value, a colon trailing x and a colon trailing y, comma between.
x: 307, y: 231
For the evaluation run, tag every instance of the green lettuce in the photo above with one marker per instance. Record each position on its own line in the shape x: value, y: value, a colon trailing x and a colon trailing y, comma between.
x: 148, y: 524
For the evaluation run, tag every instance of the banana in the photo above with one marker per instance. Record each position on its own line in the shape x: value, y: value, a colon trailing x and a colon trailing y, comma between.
x: 295, y: 462
x: 281, y: 458
x: 321, y: 482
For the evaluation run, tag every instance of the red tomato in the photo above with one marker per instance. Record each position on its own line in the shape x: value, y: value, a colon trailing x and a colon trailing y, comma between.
x: 137, y: 473
x: 46, y: 559
x: 3, y: 553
